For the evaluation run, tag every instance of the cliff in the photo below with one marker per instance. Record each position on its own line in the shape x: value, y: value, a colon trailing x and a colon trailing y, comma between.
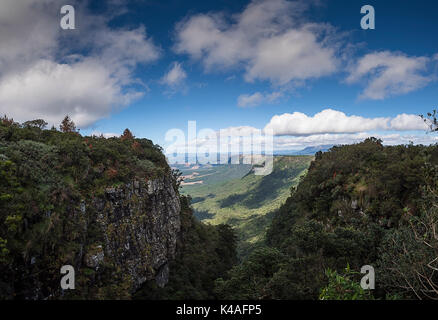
x: 140, y: 223
x: 110, y: 208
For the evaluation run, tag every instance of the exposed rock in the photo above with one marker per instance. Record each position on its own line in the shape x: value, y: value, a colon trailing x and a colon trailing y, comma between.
x: 162, y: 275
x: 140, y: 223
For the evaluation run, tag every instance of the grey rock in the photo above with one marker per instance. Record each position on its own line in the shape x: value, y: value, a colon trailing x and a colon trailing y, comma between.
x: 140, y: 223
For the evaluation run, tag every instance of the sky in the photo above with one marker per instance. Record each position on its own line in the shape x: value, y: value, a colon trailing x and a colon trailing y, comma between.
x: 304, y: 69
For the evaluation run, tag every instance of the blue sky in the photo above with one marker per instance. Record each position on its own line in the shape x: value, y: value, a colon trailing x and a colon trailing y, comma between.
x: 220, y: 64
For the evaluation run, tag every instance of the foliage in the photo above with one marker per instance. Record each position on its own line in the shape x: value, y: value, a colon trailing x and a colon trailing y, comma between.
x: 351, y: 209
x: 344, y: 287
x: 409, y: 255
x: 44, y: 176
x: 250, y: 279
x: 127, y: 135
x: 67, y: 125
x: 38, y: 123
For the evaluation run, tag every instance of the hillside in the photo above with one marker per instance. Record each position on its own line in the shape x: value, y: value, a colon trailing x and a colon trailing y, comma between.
x: 110, y: 208
x: 362, y: 204
x: 232, y: 194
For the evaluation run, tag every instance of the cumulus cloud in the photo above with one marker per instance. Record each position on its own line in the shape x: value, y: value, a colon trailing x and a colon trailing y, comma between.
x: 390, y: 74
x: 44, y: 72
x: 408, y: 122
x: 29, y: 29
x: 332, y: 121
x: 85, y: 90
x: 326, y: 121
x: 269, y: 40
x: 175, y: 76
x: 300, y: 142
x: 255, y: 99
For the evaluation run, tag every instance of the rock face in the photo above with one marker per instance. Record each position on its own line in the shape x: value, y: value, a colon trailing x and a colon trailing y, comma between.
x: 140, y: 224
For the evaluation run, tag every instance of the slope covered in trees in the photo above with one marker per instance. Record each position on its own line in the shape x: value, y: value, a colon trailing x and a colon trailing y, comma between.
x: 362, y: 204
x: 52, y: 184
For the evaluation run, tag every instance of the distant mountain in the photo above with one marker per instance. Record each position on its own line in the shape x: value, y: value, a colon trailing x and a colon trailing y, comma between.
x: 308, y: 151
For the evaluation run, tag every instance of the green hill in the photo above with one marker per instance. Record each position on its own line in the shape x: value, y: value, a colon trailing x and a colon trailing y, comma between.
x: 232, y: 194
x: 361, y: 204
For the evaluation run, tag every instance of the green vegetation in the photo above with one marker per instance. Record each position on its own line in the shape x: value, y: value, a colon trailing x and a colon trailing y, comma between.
x: 344, y: 287
x: 362, y: 204
x: 45, y: 176
x: 234, y: 195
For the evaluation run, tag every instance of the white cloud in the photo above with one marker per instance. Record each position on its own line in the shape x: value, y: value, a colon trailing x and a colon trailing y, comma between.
x: 246, y: 100
x: 84, y: 90
x: 406, y: 122
x: 255, y: 99
x: 29, y: 28
x: 294, y: 55
x: 332, y: 121
x: 390, y: 74
x: 269, y: 39
x: 175, y: 76
x: 326, y: 121
x: 44, y: 73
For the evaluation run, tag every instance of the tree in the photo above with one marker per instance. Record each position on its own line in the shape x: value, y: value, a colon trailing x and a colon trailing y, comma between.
x: 409, y: 255
x: 38, y: 123
x: 127, y: 135
x: 7, y: 121
x: 251, y: 279
x: 431, y: 120
x: 67, y: 125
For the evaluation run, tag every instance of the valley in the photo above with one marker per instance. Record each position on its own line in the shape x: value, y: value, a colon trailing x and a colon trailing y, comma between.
x: 232, y: 194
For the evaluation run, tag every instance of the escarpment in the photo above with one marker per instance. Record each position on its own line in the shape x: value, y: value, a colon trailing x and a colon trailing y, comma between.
x: 115, y: 243
x: 140, y: 223
x: 109, y: 208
